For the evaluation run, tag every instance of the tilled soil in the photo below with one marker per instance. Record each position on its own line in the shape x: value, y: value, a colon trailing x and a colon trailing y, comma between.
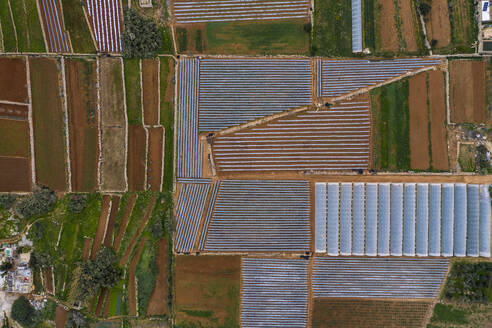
x: 408, y: 27
x: 154, y: 163
x: 419, y: 126
x: 124, y: 221
x: 439, y: 145
x: 101, y: 227
x: 60, y: 317
x: 13, y: 80
x: 108, y: 238
x: 389, y: 34
x: 136, y: 158
x: 87, y: 248
x: 150, y: 89
x: 158, y: 304
x: 15, y: 174
x: 438, y: 25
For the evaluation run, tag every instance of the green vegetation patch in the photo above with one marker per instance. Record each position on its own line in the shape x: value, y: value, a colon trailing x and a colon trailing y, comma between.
x: 133, y: 91
x: 167, y: 121
x: 469, y: 282
x: 28, y: 26
x: 464, y: 28
x: 467, y: 157
x: 9, y: 36
x: 260, y: 37
x: 369, y: 31
x: 77, y: 26
x: 391, y: 127
x: 146, y: 275
x: 332, y: 33
x: 448, y: 314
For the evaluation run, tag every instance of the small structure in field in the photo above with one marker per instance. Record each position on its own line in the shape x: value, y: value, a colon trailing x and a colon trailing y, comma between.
x: 145, y: 3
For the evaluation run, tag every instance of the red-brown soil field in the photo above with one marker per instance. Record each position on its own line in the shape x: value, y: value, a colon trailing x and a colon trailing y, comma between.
x: 108, y: 238
x: 49, y: 127
x: 87, y: 248
x: 15, y: 174
x: 438, y: 25
x: 354, y: 313
x: 13, y: 80
x: 150, y: 89
x: 132, y: 299
x: 124, y: 221
x: 140, y: 229
x: 60, y: 317
x: 208, y: 283
x: 136, y: 157
x: 17, y: 112
x: 83, y: 121
x: 439, y: 146
x: 154, y: 161
x: 14, y: 138
x: 419, y: 126
x: 157, y: 302
x: 100, y: 301
x: 407, y: 26
x: 48, y: 280
x: 387, y: 28
x: 467, y: 91
x: 101, y: 227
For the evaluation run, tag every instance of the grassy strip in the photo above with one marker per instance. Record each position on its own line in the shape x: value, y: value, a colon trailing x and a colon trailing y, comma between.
x: 9, y: 41
x: 332, y: 33
x: 167, y: 121
x: 20, y: 22
x: 77, y: 27
x: 391, y: 126
x: 34, y: 27
x: 133, y: 91
x: 146, y: 274
x: 119, y: 215
x: 368, y: 24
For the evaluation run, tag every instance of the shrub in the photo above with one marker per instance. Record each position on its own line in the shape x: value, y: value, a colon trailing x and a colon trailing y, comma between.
x: 76, y: 319
x: 6, y: 201
x: 40, y: 260
x: 469, y: 281
x: 40, y: 202
x: 77, y: 203
x: 103, y: 271
x: 482, y: 163
x: 141, y: 37
x: 425, y: 8
x: 23, y: 312
x: 433, y: 42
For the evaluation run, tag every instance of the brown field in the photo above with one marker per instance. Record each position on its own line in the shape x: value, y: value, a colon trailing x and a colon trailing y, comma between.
x: 15, y: 174
x: 157, y: 302
x: 100, y: 301
x: 113, y: 159
x: 49, y: 127
x: 14, y: 138
x: 419, y: 127
x: 438, y: 25
x: 81, y: 102
x: 389, y: 34
x: 87, y: 248
x: 13, y: 80
x: 353, y: 313
x: 48, y: 280
x: 439, y: 146
x: 141, y: 227
x: 154, y: 161
x: 407, y: 15
x: 108, y: 238
x: 101, y: 227
x: 467, y: 91
x: 136, y: 157
x: 208, y: 284
x: 15, y: 112
x: 150, y: 89
x: 60, y: 317
x: 124, y: 221
x: 112, y: 96
x: 132, y: 292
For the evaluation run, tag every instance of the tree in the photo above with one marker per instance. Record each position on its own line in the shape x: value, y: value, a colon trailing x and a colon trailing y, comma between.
x: 103, y: 271
x: 23, y: 312
x: 40, y: 202
x: 40, y: 260
x: 77, y: 203
x: 6, y: 201
x: 482, y: 163
x: 141, y: 38
x: 6, y: 266
x: 76, y: 319
x: 425, y: 8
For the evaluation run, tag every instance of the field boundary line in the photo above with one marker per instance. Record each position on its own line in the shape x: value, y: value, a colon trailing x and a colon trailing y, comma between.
x: 30, y: 120
x: 2, y: 45
x: 175, y: 123
x: 8, y: 102
x: 13, y: 24
x: 107, y: 220
x: 59, y: 236
x: 206, y: 206
x: 99, y: 124
x: 448, y: 105
x: 163, y: 154
x: 67, y: 127
x: 142, y: 113
x: 310, y: 301
x: 146, y: 184
x: 126, y: 122
x: 173, y: 36
x: 159, y: 92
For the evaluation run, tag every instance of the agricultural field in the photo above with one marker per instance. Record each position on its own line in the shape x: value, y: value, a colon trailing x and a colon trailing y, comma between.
x: 106, y: 21
x: 335, y: 312
x: 468, y: 91
x: 207, y: 291
x: 392, y: 27
x: 77, y: 27
x: 288, y: 37
x: 48, y: 120
x: 167, y: 82
x: 64, y: 243
x: 438, y: 25
x: 52, y: 17
x: 150, y: 91
x: 13, y: 80
x: 83, y: 123
x: 409, y: 124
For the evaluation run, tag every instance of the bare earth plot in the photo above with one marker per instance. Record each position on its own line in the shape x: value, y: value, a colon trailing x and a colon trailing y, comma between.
x: 136, y: 157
